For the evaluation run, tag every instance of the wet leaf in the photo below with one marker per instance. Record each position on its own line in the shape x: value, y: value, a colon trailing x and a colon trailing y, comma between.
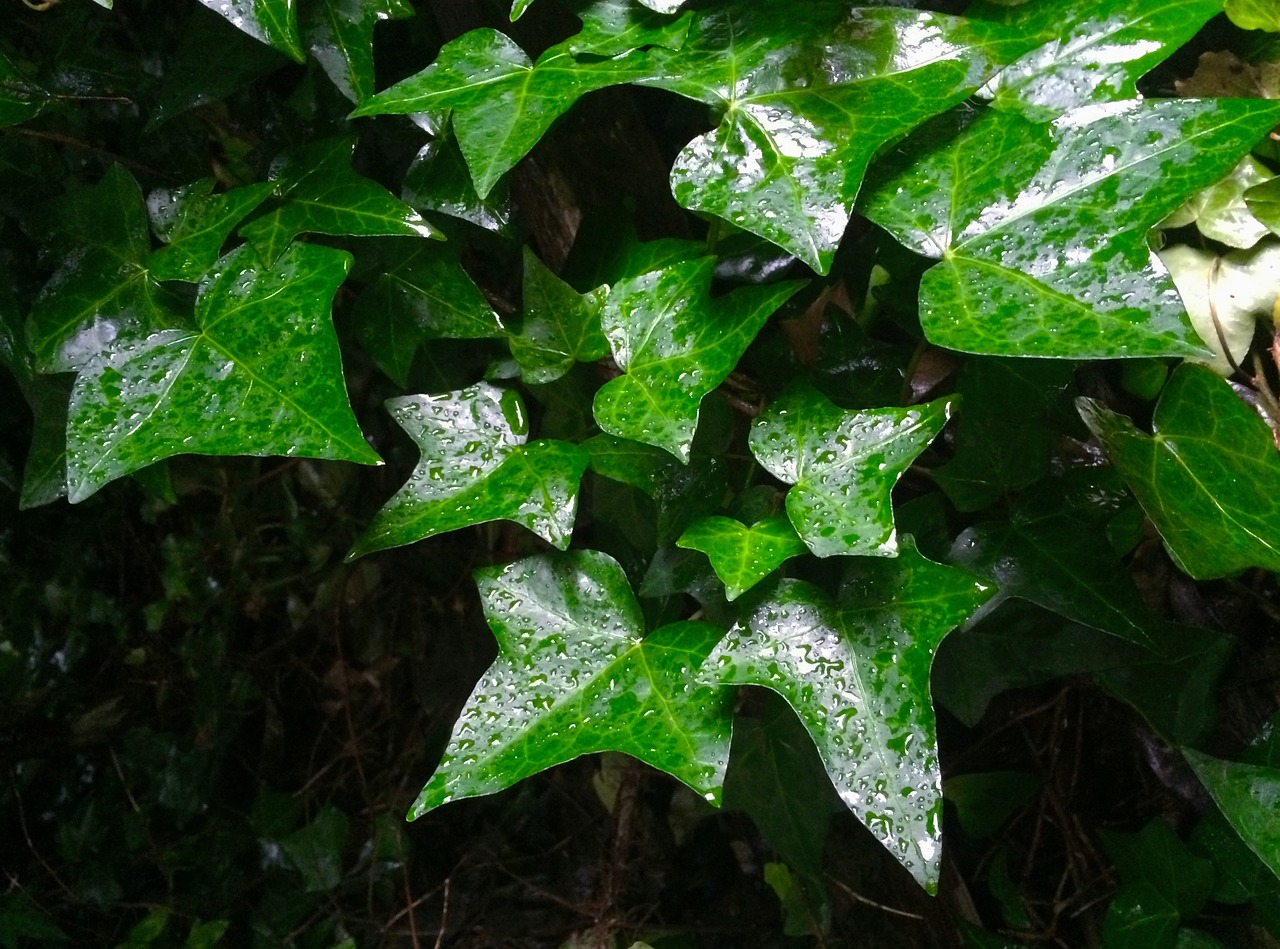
x: 802, y: 91
x: 742, y: 556
x: 1042, y: 229
x: 675, y: 343
x: 1254, y: 14
x: 274, y: 22
x: 1161, y: 884
x: 843, y: 466
x: 324, y: 195
x: 1221, y: 212
x: 477, y: 465
x: 856, y: 672
x: 438, y: 181
x: 1209, y: 476
x: 559, y: 326
x: 574, y: 675
x: 339, y: 34
x: 195, y: 223
x: 262, y: 375
x: 1248, y: 795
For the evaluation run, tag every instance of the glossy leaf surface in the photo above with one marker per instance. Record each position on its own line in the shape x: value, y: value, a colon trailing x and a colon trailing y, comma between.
x: 1209, y: 476
x: 1161, y: 883
x: 843, y: 466
x: 477, y: 465
x: 438, y: 180
x: 324, y: 195
x: 194, y: 224
x: 856, y: 672
x: 559, y: 326
x: 262, y: 375
x: 339, y: 34
x: 1042, y: 229
x: 675, y: 343
x: 1248, y: 795
x: 1222, y: 211
x: 274, y: 22
x: 742, y: 556
x: 574, y: 675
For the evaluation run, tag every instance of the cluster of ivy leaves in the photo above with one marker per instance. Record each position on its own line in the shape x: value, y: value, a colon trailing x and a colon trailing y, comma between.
x: 928, y: 330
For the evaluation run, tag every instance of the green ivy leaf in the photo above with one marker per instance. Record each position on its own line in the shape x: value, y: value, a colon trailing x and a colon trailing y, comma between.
x: 262, y: 375
x: 323, y: 195
x: 675, y: 343
x: 1161, y: 884
x: 559, y: 327
x: 801, y: 90
x: 1254, y: 14
x: 475, y: 467
x: 339, y: 34
x: 20, y: 98
x: 574, y: 675
x: 742, y: 556
x: 1223, y: 211
x: 438, y: 180
x: 842, y: 465
x: 1248, y: 795
x: 316, y: 850
x: 1209, y: 476
x: 274, y: 22
x: 195, y: 223
x: 1042, y: 229
x: 423, y: 293
x: 856, y: 672
x: 44, y: 476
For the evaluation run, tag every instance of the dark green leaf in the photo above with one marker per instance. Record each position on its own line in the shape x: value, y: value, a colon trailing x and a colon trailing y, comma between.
x: 274, y: 22
x: 675, y: 343
x: 20, y: 98
x: 857, y: 674
x: 742, y: 556
x: 195, y: 223
x: 843, y: 466
x: 261, y: 376
x: 325, y: 196
x: 559, y: 326
x: 575, y: 675
x: 316, y: 850
x: 477, y: 466
x: 339, y: 34
x: 1209, y: 476
x: 438, y: 181
x: 984, y: 800
x: 1161, y: 884
x: 1042, y: 229
x: 1248, y: 795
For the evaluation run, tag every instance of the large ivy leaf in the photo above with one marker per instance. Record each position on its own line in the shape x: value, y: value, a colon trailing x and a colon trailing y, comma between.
x: 675, y: 343
x: 856, y: 672
x: 742, y: 556
x: 843, y: 466
x: 339, y: 34
x: 1208, y: 476
x: 1249, y: 797
x: 575, y: 674
x: 559, y: 326
x: 804, y: 93
x: 262, y: 375
x: 477, y: 466
x: 1042, y: 229
x: 194, y: 223
x: 1161, y: 884
x: 274, y: 22
x: 324, y: 195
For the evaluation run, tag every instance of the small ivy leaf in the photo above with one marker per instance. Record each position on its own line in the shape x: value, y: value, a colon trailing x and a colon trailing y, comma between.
x: 1161, y: 884
x: 1254, y: 14
x: 324, y: 195
x: 422, y: 294
x: 1208, y: 476
x: 843, y: 466
x: 575, y: 675
x: 339, y: 34
x: 274, y: 22
x: 438, y: 180
x: 742, y: 556
x: 675, y: 343
x: 1093, y: 50
x: 801, y: 89
x: 20, y: 98
x: 261, y: 376
x: 1221, y: 212
x: 1046, y: 253
x: 856, y: 672
x: 477, y: 466
x: 194, y: 223
x: 560, y: 326
x: 1263, y: 201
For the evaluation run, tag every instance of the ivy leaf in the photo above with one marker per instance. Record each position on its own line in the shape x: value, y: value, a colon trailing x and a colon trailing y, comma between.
x: 325, y: 196
x: 856, y: 672
x: 438, y: 180
x: 339, y: 34
x: 1248, y: 795
x: 476, y: 467
x: 560, y: 326
x: 1208, y: 476
x: 842, y: 465
x: 423, y: 293
x: 1161, y: 884
x: 20, y: 98
x: 742, y: 556
x: 1223, y: 212
x: 274, y: 22
x: 262, y: 375
x: 194, y: 223
x: 44, y: 476
x: 1254, y: 14
x: 801, y: 89
x: 574, y: 675
x: 675, y: 343
x: 1042, y: 229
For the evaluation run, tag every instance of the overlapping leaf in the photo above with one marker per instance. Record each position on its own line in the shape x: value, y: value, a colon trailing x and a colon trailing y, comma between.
x: 559, y: 326
x: 1209, y: 476
x: 194, y: 224
x: 843, y: 466
x: 575, y: 674
x: 325, y: 196
x: 1223, y: 212
x: 20, y: 98
x: 274, y: 22
x: 476, y: 466
x: 1161, y: 884
x: 438, y: 181
x: 675, y: 343
x: 1042, y: 229
x: 339, y: 34
x: 856, y: 672
x: 262, y: 375
x: 742, y: 556
x: 1254, y: 14
x: 1249, y: 797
